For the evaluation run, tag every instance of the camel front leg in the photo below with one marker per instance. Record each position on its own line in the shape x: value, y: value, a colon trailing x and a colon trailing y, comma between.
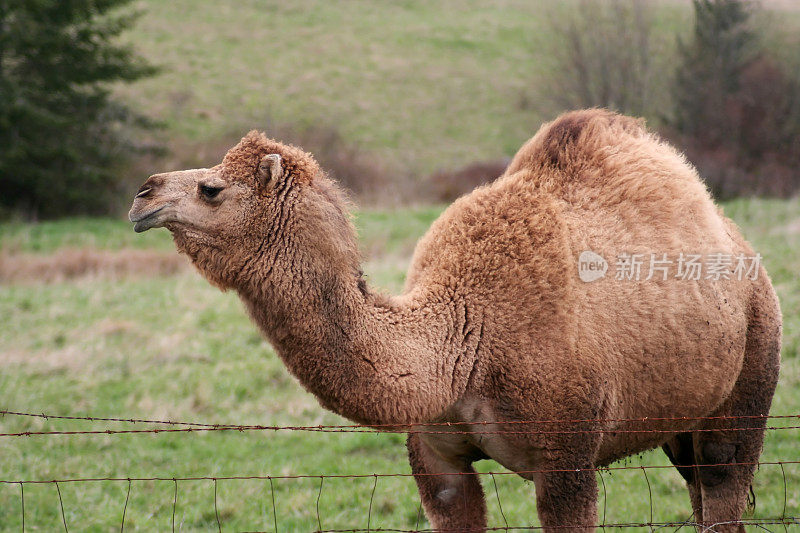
x: 451, y: 493
x: 567, y: 501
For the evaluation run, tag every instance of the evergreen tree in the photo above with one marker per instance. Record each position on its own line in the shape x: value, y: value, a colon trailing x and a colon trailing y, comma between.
x: 710, y: 67
x: 737, y: 109
x: 61, y: 135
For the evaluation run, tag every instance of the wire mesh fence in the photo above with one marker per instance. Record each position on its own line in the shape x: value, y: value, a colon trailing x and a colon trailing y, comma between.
x: 785, y: 521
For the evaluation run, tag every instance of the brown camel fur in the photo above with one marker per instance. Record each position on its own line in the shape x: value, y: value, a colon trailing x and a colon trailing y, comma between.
x: 495, y: 324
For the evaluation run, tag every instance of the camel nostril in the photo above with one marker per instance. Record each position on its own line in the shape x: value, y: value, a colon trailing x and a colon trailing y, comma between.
x: 144, y: 191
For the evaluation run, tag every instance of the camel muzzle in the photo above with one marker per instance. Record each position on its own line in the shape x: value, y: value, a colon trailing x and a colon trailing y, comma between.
x: 151, y: 203
x: 145, y: 221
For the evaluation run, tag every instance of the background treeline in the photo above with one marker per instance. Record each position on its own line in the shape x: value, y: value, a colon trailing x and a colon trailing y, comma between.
x: 724, y: 96
x: 412, y: 102
x: 63, y: 138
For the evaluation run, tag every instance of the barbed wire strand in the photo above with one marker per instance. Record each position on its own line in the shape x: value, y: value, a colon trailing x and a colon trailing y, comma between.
x: 755, y: 522
x: 405, y: 424
x: 689, y: 519
x: 758, y: 523
x: 364, y: 429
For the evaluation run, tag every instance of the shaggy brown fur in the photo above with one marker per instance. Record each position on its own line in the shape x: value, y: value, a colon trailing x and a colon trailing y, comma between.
x: 495, y: 325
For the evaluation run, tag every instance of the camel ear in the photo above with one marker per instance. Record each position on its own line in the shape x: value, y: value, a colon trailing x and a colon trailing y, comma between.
x: 270, y: 170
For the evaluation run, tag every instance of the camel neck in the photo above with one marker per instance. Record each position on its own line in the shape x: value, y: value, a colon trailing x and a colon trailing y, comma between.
x: 368, y: 358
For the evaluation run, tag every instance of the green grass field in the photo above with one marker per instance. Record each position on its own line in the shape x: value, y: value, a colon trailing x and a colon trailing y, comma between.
x: 175, y: 348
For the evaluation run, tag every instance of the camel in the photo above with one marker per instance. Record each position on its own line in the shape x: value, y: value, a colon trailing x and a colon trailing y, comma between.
x: 495, y: 326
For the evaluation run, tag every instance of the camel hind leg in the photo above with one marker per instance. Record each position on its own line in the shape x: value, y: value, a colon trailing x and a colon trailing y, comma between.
x: 727, y: 450
x: 680, y: 451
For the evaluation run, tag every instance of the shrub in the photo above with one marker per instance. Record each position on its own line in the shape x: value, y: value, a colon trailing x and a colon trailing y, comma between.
x: 603, y: 54
x: 737, y: 111
x: 363, y: 174
x: 447, y: 185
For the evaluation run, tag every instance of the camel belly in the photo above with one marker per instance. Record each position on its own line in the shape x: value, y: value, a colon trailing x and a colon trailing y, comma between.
x: 682, y: 360
x: 471, y: 430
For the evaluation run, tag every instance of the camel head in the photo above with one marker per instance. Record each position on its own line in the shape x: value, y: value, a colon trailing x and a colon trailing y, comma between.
x: 264, y: 198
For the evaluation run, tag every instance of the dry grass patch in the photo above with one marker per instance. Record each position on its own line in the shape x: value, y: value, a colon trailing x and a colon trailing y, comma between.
x: 76, y: 263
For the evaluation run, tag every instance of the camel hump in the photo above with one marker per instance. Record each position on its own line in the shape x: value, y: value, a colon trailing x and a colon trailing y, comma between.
x: 575, y: 137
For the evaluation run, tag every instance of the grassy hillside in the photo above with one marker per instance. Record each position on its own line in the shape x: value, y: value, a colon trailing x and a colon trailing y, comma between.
x: 172, y: 347
x: 423, y: 85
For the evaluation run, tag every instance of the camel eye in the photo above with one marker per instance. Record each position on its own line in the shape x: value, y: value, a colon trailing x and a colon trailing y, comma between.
x: 208, y: 192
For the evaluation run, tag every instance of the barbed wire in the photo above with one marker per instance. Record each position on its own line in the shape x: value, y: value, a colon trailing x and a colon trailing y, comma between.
x: 408, y: 424
x: 320, y: 429
x: 704, y: 528
x: 410, y: 428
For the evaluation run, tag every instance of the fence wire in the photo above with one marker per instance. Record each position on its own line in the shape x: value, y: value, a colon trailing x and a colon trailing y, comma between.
x: 474, y: 428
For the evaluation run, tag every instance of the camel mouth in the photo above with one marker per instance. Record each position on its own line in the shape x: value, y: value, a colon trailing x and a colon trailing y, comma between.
x: 144, y: 222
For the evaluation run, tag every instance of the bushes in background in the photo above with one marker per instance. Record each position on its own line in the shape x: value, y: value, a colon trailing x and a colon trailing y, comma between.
x: 605, y: 55
x: 733, y: 108
x: 447, y: 185
x: 737, y: 110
